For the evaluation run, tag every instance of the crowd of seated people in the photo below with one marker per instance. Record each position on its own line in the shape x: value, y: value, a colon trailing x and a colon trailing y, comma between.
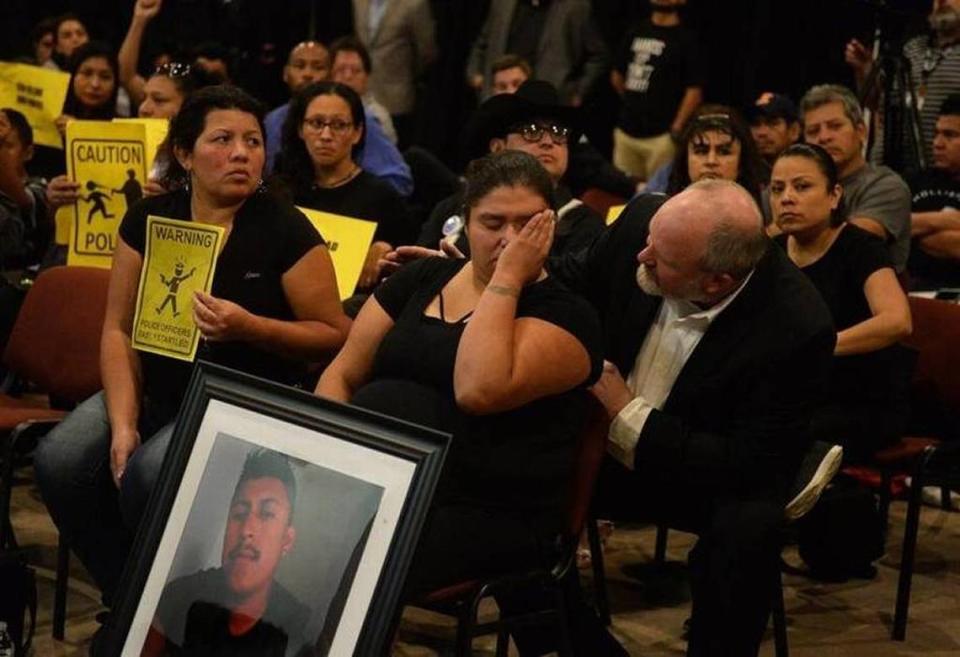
x: 749, y: 299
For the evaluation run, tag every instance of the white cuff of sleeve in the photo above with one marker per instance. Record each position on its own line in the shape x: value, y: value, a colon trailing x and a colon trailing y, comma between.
x: 625, y: 431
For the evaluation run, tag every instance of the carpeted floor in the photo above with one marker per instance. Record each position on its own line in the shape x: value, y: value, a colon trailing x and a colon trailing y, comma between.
x: 649, y: 603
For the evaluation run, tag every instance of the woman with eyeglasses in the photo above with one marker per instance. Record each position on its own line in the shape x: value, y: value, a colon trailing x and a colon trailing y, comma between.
x: 323, y: 138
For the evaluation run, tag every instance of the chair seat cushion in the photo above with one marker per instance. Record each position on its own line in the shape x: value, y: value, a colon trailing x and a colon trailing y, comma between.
x: 904, y: 452
x: 451, y: 593
x: 11, y: 416
x: 33, y: 401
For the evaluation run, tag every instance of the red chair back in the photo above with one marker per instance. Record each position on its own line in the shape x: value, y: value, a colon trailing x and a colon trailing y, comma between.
x: 590, y: 452
x: 55, y: 342
x: 601, y: 201
x: 936, y: 331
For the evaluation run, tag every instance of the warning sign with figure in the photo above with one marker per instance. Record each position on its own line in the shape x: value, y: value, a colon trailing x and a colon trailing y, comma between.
x: 110, y: 162
x: 179, y: 259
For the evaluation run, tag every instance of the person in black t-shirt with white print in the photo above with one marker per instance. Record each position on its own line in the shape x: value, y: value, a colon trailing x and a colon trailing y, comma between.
x: 658, y: 75
x: 935, y: 251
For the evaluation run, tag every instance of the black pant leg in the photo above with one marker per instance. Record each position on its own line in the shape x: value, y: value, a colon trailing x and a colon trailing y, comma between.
x: 733, y: 571
x: 733, y: 566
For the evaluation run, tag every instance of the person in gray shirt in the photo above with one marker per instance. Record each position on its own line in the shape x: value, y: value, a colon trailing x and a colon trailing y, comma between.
x: 876, y: 198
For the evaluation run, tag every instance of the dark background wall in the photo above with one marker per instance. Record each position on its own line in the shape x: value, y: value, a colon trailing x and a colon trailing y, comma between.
x: 750, y: 45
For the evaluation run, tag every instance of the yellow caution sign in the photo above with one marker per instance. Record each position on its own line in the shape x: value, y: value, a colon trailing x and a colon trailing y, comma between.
x: 62, y: 220
x: 156, y: 132
x: 349, y: 240
x: 110, y: 162
x: 38, y: 93
x: 614, y: 213
x: 179, y: 259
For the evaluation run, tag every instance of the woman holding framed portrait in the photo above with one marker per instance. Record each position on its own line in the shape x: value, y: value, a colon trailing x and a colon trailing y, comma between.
x: 273, y: 308
x: 495, y: 352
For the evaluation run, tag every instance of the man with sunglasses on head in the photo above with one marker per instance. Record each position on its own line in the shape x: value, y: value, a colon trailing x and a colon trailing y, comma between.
x: 534, y: 121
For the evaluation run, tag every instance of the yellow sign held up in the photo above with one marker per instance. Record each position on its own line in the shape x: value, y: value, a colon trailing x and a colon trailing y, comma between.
x: 110, y: 162
x: 156, y: 132
x: 179, y: 259
x: 349, y: 240
x: 613, y: 213
x: 38, y: 93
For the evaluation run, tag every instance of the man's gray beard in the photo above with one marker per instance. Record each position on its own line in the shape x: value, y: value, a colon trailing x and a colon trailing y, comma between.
x: 647, y: 282
x: 945, y: 22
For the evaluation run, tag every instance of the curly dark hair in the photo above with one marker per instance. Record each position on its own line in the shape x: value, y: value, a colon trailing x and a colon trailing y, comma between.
x: 294, y: 164
x: 728, y: 121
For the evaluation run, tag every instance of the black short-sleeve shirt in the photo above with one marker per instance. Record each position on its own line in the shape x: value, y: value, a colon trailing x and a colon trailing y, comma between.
x: 658, y: 65
x: 518, y: 459
x: 365, y: 197
x: 839, y: 275
x: 268, y: 237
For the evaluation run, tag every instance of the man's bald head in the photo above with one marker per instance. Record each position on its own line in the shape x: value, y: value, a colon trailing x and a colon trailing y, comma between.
x: 309, y: 61
x: 703, y: 242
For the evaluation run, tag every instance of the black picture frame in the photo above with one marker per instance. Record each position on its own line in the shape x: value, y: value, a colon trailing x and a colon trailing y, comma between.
x: 403, y: 449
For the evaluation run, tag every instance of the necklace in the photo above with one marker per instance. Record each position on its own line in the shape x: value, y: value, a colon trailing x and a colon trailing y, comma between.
x: 354, y: 172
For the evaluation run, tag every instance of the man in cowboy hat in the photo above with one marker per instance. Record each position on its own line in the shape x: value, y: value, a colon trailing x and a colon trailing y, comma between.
x: 532, y: 120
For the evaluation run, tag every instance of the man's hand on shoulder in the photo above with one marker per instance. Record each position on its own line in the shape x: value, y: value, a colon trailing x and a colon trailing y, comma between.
x: 611, y: 390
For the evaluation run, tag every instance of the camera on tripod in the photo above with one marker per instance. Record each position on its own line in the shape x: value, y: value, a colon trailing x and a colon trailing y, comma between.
x: 891, y: 88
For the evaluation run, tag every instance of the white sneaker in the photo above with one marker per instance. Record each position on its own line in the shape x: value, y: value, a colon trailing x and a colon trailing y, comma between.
x: 819, y: 465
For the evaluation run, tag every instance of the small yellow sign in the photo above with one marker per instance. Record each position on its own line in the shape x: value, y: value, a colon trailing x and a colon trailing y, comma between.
x: 110, y: 161
x: 349, y: 240
x: 38, y: 93
x: 156, y: 132
x: 179, y: 259
x: 614, y: 213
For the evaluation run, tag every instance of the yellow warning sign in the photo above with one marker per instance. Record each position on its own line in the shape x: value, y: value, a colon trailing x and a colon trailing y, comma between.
x: 179, y: 259
x: 349, y: 240
x: 614, y: 213
x: 38, y: 93
x: 110, y: 162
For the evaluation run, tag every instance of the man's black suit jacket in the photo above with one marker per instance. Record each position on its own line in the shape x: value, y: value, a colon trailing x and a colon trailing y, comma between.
x: 735, y: 421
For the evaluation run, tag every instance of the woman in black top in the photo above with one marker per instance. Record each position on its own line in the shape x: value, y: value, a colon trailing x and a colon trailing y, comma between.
x: 91, y: 96
x: 323, y: 139
x: 495, y: 352
x: 273, y: 307
x: 94, y: 84
x: 864, y: 407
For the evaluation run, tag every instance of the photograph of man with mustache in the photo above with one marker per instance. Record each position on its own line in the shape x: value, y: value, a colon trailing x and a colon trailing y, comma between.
x: 238, y: 608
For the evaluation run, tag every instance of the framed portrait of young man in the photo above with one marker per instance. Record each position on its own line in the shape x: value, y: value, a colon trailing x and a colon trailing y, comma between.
x: 282, y: 524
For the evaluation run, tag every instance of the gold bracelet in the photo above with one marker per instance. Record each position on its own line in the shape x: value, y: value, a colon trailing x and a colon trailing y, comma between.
x: 504, y: 290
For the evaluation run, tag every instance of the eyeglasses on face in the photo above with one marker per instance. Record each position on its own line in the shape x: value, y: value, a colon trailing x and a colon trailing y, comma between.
x: 337, y: 126
x: 533, y: 131
x: 173, y: 70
